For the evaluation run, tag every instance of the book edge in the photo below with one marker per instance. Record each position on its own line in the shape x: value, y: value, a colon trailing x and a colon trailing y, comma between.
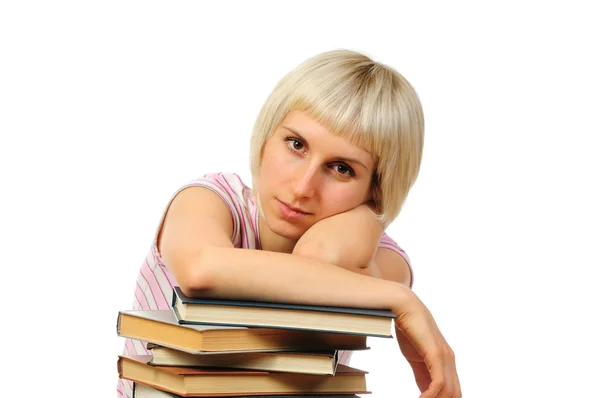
x: 381, y: 313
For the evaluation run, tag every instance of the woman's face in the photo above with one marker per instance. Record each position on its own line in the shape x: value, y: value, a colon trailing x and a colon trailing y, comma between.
x: 308, y: 174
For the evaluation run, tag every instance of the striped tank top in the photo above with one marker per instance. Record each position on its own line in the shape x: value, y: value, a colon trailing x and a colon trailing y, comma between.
x: 154, y: 285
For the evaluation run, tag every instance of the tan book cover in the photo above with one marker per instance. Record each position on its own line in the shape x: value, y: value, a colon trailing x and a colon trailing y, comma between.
x: 161, y: 327
x: 144, y: 391
x: 202, y: 382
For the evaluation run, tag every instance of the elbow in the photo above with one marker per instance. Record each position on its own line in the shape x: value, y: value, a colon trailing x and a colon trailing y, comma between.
x: 195, y: 283
x: 193, y: 276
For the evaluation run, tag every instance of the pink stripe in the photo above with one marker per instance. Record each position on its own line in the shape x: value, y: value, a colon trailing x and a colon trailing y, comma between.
x: 137, y: 305
x: 388, y: 243
x: 231, y: 193
x: 386, y: 240
x: 121, y: 388
x: 224, y: 184
x: 140, y: 293
x: 131, y: 350
x: 412, y: 274
x: 156, y: 256
x: 163, y: 268
x: 254, y: 215
x: 155, y: 288
x: 167, y: 274
x: 130, y: 347
x: 344, y: 357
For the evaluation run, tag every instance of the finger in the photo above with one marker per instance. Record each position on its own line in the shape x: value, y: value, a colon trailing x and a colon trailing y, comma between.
x: 421, y: 373
x: 436, y: 373
x: 450, y: 387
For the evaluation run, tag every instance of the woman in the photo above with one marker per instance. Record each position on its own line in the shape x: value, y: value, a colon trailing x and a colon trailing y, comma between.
x: 334, y: 152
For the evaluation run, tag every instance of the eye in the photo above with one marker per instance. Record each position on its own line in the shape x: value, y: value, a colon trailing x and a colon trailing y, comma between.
x: 343, y: 169
x: 295, y: 144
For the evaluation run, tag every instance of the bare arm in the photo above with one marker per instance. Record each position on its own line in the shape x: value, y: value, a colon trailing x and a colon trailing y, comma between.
x: 195, y: 244
x: 346, y: 239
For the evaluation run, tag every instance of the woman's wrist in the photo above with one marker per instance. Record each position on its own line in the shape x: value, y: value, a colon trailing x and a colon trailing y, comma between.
x: 401, y: 297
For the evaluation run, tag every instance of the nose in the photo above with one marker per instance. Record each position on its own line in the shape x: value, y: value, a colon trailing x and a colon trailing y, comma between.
x: 306, y: 182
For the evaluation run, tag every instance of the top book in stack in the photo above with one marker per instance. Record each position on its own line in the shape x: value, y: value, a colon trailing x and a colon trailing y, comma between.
x: 361, y: 321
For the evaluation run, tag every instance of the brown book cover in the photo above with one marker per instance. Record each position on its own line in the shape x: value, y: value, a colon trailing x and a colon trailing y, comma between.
x: 144, y: 391
x: 162, y: 327
x: 201, y: 382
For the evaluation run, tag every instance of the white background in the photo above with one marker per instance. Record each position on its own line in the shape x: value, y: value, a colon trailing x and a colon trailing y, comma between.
x: 107, y: 107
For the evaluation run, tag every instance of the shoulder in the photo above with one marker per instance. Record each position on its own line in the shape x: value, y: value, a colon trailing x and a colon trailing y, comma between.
x: 214, y: 196
x: 239, y: 201
x: 231, y: 183
x: 228, y: 186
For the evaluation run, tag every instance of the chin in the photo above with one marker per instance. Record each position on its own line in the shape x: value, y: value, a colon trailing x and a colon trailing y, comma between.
x: 286, y: 230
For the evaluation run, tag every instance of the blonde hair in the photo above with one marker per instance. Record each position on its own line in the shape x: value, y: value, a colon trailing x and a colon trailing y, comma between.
x: 366, y: 102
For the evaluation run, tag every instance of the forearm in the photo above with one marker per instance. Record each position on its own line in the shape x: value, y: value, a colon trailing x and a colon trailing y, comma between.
x: 348, y: 240
x: 261, y: 275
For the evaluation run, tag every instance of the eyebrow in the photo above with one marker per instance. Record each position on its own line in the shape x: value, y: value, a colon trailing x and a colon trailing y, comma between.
x: 350, y: 160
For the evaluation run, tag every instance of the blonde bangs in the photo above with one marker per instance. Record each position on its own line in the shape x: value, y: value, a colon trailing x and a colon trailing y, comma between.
x: 347, y: 104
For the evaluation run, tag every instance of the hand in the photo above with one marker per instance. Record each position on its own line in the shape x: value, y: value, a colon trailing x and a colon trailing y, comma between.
x: 426, y: 350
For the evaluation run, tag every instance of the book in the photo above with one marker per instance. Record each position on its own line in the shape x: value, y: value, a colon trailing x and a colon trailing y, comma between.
x: 199, y: 382
x: 144, y: 391
x: 291, y: 362
x: 362, y: 321
x: 162, y: 327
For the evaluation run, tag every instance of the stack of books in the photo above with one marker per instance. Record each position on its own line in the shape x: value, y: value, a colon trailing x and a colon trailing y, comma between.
x: 209, y: 347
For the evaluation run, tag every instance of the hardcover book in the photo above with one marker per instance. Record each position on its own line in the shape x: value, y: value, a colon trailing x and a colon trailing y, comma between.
x: 162, y: 327
x: 199, y: 382
x: 144, y: 391
x: 361, y: 321
x: 291, y: 362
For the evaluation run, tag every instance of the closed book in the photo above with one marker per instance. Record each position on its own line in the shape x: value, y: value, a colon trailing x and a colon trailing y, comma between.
x: 362, y: 321
x: 290, y: 362
x: 203, y: 382
x: 144, y: 391
x: 163, y: 328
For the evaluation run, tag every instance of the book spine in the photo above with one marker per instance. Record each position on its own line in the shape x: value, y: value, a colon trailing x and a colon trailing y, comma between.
x: 119, y: 324
x: 120, y: 367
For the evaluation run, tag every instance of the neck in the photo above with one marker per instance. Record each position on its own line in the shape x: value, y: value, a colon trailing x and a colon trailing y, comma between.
x: 272, y: 242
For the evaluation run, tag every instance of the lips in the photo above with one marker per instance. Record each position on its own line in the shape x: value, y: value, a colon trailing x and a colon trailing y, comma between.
x: 291, y: 213
x: 294, y: 208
